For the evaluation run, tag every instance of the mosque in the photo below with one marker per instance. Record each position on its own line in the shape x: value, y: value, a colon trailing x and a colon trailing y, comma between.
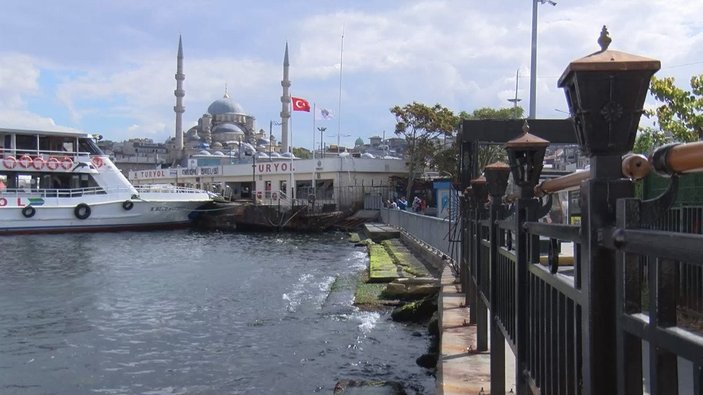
x: 225, y: 153
x: 225, y: 127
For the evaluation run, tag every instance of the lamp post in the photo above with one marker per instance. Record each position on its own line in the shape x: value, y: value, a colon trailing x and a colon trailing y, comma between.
x: 515, y: 100
x: 605, y: 92
x: 533, y: 57
x: 271, y: 123
x: 526, y: 154
x: 322, y: 130
x: 497, y: 180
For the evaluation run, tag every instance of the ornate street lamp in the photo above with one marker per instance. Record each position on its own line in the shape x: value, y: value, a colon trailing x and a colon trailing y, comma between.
x: 497, y: 179
x: 480, y: 191
x: 605, y: 92
x: 526, y: 153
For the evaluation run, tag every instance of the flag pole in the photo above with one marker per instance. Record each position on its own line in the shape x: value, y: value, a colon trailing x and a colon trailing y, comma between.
x: 314, y: 113
x: 292, y: 176
x: 339, y: 115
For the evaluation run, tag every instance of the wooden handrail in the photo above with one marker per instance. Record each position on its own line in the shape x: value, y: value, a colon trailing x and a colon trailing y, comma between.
x: 634, y: 167
x: 562, y: 183
x: 679, y: 158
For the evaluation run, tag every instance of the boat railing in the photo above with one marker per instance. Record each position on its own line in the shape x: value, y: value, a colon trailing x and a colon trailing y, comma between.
x: 54, y: 192
x: 44, y: 154
x: 165, y: 188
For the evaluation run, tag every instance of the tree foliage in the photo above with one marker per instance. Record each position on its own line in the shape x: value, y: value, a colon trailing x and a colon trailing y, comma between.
x: 302, y: 153
x: 424, y: 129
x: 679, y: 117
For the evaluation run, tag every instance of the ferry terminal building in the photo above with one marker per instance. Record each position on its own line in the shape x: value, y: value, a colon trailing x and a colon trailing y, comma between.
x: 339, y: 181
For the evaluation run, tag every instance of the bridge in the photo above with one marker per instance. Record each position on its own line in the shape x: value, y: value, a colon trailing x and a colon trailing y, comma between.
x: 609, y: 304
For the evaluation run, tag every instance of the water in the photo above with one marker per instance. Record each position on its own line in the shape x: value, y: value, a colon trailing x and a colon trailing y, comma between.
x: 183, y: 312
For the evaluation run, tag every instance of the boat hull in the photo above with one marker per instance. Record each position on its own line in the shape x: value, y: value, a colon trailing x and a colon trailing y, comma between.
x: 99, y: 216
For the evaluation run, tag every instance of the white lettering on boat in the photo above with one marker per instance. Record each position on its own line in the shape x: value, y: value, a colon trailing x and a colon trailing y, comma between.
x: 161, y: 208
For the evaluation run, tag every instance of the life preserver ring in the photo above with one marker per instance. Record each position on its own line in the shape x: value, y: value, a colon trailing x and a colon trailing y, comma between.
x: 25, y: 160
x: 29, y: 211
x: 127, y: 205
x: 66, y: 162
x: 53, y: 163
x: 97, y: 161
x: 38, y: 163
x: 82, y: 211
x: 10, y: 162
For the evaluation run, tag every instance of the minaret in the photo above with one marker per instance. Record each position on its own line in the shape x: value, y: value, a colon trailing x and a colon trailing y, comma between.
x: 180, y: 93
x: 285, y: 104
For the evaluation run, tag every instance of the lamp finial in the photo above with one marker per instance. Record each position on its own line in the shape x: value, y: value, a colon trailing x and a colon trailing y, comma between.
x: 604, y: 40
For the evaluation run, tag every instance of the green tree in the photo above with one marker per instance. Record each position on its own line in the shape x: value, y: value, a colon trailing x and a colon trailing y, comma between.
x: 679, y: 118
x: 424, y: 128
x: 302, y: 153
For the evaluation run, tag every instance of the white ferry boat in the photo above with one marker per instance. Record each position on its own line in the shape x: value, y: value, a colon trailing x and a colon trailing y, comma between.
x: 61, y: 182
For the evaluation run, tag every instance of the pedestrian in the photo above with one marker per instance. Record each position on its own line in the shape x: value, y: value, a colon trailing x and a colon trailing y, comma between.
x: 402, y: 203
x: 416, y: 204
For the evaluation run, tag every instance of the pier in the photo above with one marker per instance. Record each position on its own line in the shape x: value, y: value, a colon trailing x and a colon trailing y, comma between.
x: 606, y: 302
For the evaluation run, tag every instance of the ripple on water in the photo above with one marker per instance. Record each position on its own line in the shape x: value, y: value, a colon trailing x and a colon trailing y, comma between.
x: 185, y: 312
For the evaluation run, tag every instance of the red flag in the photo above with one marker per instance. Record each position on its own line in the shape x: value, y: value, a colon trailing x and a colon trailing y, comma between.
x: 300, y: 104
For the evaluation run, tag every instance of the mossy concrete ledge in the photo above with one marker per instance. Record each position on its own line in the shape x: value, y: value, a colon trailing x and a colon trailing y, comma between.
x: 382, y: 269
x: 380, y: 232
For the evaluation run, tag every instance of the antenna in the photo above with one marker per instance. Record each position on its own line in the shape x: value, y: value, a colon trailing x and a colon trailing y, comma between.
x: 339, y: 116
x: 515, y: 100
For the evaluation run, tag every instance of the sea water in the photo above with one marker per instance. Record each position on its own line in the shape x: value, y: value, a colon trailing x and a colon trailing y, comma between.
x: 185, y: 312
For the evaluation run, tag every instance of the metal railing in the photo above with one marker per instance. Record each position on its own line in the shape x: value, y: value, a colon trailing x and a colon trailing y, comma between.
x: 605, y: 306
x: 439, y: 233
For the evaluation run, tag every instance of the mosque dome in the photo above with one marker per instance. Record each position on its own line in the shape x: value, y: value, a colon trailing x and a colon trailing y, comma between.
x: 359, y: 142
x: 225, y: 106
x: 227, y: 128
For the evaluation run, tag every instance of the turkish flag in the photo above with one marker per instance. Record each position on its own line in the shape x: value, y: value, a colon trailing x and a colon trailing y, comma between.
x: 300, y: 104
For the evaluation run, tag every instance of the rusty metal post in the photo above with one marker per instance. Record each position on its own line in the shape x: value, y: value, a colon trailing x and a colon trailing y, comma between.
x: 605, y: 92
x: 481, y: 196
x: 497, y: 178
x: 526, y: 153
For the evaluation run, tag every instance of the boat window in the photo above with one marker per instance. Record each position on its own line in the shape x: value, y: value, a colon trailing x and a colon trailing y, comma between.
x: 3, y: 182
x: 26, y: 182
x: 6, y: 141
x: 9, y: 179
x: 26, y: 142
x: 88, y: 145
x: 67, y: 146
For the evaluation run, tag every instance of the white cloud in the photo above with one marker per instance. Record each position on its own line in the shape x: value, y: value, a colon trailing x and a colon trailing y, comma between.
x: 119, y: 79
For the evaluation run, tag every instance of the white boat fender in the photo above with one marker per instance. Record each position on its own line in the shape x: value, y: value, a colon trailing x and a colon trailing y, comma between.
x: 127, y: 205
x: 66, y: 162
x: 10, y: 162
x: 29, y: 211
x: 82, y: 211
x: 97, y: 161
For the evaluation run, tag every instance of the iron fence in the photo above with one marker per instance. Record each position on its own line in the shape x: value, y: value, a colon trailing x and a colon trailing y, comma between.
x: 611, y: 305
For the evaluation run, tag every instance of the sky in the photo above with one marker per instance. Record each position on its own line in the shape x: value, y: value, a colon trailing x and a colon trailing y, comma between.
x: 108, y: 66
